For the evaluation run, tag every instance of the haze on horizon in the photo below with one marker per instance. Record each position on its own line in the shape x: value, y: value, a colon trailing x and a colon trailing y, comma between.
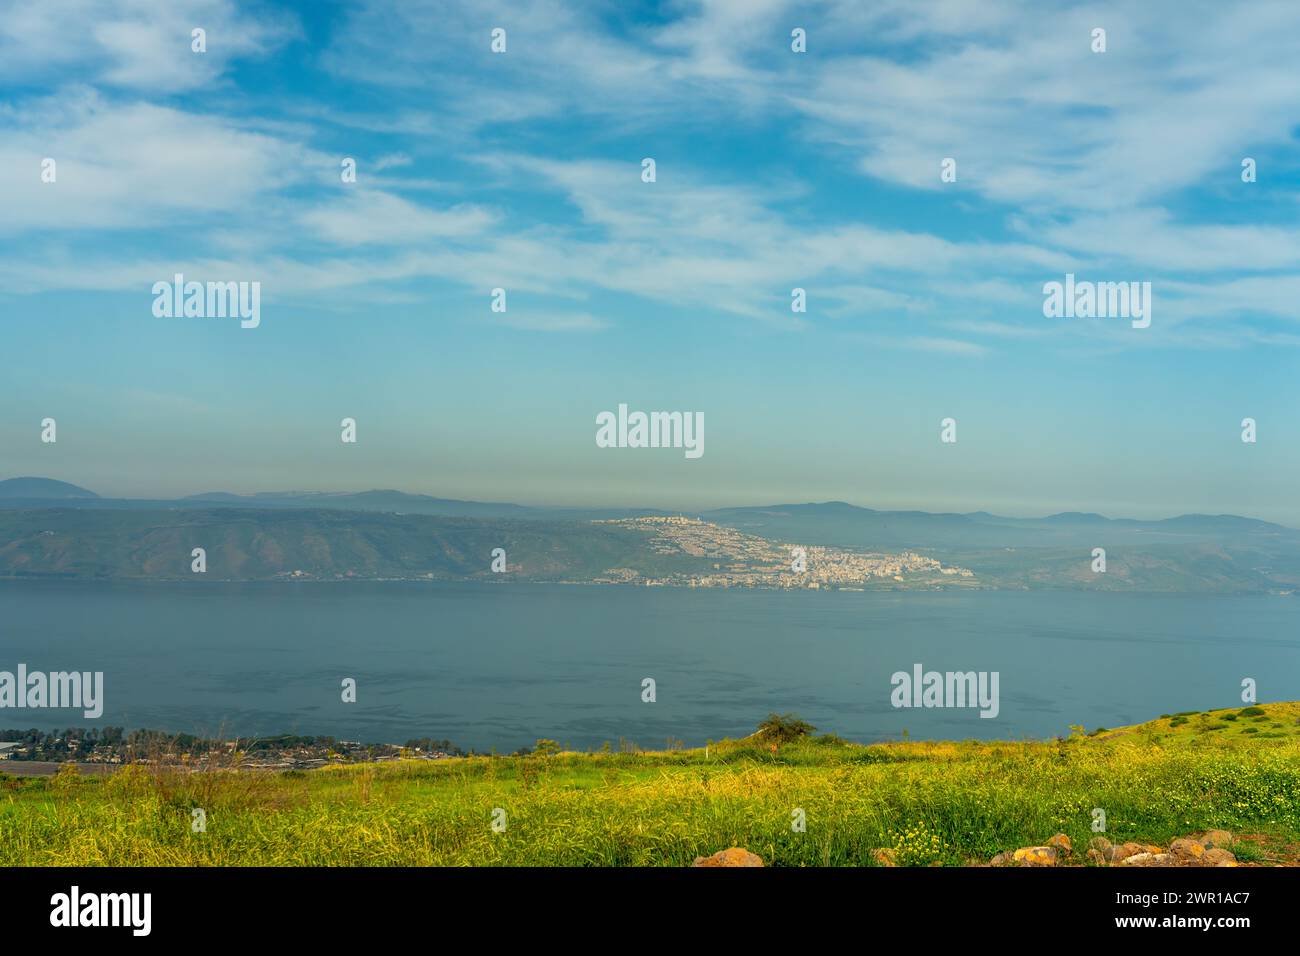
x: 612, y: 504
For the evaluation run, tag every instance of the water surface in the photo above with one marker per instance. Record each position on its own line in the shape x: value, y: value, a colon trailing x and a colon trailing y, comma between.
x: 500, y: 666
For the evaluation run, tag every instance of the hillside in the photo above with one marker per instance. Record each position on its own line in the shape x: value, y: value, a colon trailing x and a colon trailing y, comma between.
x: 926, y: 802
x: 42, y: 489
x: 265, y: 545
x: 332, y: 545
x: 52, y: 528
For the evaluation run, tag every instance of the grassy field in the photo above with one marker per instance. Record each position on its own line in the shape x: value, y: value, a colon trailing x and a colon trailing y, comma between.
x: 951, y: 803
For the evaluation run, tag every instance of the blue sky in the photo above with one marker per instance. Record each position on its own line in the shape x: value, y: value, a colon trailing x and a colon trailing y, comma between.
x: 775, y: 170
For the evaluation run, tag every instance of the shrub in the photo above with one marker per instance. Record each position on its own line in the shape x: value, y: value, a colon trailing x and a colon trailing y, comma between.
x: 782, y: 728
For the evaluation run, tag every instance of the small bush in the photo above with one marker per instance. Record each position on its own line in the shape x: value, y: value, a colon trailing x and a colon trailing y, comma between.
x: 783, y: 728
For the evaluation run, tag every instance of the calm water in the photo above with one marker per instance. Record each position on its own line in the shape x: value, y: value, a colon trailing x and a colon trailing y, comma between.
x: 501, y: 666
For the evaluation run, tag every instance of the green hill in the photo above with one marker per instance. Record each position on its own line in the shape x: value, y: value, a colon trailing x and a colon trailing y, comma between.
x: 928, y: 802
x: 55, y: 537
x: 264, y: 545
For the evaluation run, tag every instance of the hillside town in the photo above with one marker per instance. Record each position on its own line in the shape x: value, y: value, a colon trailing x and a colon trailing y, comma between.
x: 745, y: 560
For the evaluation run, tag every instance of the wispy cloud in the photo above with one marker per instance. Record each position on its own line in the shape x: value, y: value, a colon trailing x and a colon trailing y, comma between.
x: 471, y: 175
x: 135, y: 45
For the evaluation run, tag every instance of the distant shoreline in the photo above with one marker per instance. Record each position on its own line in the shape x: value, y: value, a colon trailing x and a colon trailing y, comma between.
x: 491, y: 583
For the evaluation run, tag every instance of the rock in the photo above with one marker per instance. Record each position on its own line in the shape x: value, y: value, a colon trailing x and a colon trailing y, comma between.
x: 999, y: 860
x: 1218, y: 856
x: 733, y: 856
x: 1097, y: 857
x: 885, y: 857
x: 1217, y: 839
x: 1102, y: 846
x: 1122, y: 852
x: 1148, y: 859
x: 1035, y: 856
x: 1062, y: 844
x: 1187, y: 850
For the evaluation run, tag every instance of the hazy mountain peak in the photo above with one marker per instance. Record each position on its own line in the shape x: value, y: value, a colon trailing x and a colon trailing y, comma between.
x: 1078, y: 517
x: 29, y: 487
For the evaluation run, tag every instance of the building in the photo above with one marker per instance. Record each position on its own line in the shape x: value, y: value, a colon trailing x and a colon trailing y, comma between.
x: 6, y: 749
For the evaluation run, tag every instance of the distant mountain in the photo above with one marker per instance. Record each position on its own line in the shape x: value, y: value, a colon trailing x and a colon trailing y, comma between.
x: 1072, y: 517
x: 386, y: 500
x: 39, y: 488
x: 827, y: 522
x: 380, y: 500
x: 259, y: 544
x: 268, y: 543
x: 387, y: 534
x: 377, y: 534
x: 844, y: 525
x: 1186, y: 553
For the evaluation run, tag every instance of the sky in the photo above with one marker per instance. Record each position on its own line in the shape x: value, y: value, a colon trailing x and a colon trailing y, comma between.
x: 774, y: 170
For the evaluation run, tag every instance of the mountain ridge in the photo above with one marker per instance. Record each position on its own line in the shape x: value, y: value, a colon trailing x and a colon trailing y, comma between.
x: 67, y: 538
x: 42, y: 488
x: 36, y: 489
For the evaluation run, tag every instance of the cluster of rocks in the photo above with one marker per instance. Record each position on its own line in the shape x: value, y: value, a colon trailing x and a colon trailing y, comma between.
x: 733, y: 856
x: 1208, y: 849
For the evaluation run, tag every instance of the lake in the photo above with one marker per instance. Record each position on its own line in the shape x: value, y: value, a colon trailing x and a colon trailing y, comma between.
x: 502, y: 665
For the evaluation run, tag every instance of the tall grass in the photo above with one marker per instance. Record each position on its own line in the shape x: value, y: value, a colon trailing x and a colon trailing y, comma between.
x: 952, y: 803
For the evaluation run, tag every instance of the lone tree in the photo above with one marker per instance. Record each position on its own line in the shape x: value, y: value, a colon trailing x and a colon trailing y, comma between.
x: 546, y: 748
x: 783, y: 728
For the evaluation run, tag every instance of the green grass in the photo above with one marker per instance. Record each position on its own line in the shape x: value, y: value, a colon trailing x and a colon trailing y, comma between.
x: 948, y: 802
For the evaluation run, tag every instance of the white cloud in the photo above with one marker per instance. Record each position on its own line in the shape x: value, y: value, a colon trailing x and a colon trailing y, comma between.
x: 140, y: 45
x: 552, y: 322
x: 1083, y: 158
x: 358, y: 216
x: 133, y: 166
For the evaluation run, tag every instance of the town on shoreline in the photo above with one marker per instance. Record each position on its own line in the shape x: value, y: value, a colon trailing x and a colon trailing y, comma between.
x: 37, y: 753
